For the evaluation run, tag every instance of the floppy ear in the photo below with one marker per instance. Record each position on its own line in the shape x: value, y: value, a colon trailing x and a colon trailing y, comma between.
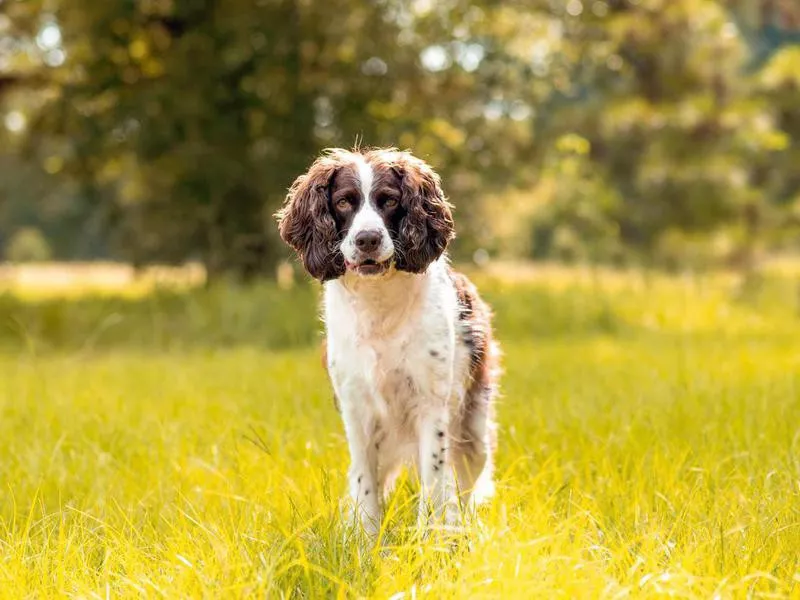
x: 305, y: 222
x: 427, y: 227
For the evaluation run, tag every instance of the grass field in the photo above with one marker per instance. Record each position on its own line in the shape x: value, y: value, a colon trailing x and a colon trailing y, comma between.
x: 185, y: 444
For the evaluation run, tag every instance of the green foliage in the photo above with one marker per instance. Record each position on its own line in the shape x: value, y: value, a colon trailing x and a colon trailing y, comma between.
x: 171, y: 130
x: 27, y: 245
x: 188, y: 120
x: 576, y: 220
x: 676, y: 134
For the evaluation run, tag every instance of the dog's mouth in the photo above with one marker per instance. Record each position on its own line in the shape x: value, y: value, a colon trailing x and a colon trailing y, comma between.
x: 369, y: 266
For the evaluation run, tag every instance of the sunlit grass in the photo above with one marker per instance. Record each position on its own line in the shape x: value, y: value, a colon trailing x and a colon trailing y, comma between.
x: 650, y: 445
x: 75, y: 280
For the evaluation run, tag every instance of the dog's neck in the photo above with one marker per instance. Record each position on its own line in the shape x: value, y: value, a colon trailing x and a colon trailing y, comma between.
x: 392, y: 290
x: 382, y: 303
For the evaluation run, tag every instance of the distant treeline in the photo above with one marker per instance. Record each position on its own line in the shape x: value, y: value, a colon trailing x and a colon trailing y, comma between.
x: 655, y: 131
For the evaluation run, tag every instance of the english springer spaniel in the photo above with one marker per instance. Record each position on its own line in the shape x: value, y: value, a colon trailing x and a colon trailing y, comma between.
x: 409, y: 342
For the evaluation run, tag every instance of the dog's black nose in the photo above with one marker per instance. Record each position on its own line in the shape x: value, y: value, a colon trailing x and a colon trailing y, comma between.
x: 368, y: 241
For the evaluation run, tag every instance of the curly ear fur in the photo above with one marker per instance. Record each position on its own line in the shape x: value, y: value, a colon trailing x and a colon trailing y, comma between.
x: 427, y: 227
x: 305, y: 222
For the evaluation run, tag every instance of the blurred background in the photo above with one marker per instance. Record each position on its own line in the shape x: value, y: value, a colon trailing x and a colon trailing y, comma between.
x: 626, y: 175
x: 628, y: 132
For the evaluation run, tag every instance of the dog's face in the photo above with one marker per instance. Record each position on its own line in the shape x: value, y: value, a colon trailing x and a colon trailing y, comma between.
x: 366, y: 212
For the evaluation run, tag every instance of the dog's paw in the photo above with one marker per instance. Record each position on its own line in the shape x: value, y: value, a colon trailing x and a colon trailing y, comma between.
x: 357, y: 524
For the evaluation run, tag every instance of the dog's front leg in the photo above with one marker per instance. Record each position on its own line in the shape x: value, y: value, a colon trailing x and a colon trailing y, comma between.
x: 363, y: 473
x: 438, y: 498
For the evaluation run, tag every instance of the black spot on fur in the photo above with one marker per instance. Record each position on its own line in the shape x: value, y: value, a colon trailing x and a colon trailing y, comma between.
x: 473, y: 321
x: 441, y: 461
x: 359, y: 478
x: 440, y: 433
x: 435, y: 468
x: 366, y: 492
x: 434, y: 353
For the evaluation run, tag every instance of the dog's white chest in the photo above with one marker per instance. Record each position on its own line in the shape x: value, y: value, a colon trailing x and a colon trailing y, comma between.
x: 393, y: 370
x: 390, y: 352
x: 400, y: 371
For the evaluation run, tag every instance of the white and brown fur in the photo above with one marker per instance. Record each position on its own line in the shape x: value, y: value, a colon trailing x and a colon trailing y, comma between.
x: 409, y: 344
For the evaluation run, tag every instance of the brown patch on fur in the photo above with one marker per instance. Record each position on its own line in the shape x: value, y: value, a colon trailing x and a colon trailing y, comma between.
x: 305, y: 221
x: 476, y: 329
x: 476, y: 332
x: 427, y: 227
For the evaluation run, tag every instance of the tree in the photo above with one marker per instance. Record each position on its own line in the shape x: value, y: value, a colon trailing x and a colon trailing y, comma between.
x: 187, y: 121
x: 678, y: 139
x: 617, y: 126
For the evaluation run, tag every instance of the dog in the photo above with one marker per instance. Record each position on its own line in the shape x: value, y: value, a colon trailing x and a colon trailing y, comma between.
x: 409, y: 344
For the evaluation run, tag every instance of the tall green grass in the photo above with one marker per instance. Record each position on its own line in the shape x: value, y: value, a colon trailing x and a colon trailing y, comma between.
x: 649, y: 447
x: 265, y: 316
x: 217, y: 316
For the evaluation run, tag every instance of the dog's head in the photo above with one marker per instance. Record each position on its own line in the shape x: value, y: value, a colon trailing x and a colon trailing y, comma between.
x: 366, y: 212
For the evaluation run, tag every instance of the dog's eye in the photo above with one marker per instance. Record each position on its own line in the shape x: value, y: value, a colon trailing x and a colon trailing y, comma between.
x: 390, y: 203
x: 343, y: 203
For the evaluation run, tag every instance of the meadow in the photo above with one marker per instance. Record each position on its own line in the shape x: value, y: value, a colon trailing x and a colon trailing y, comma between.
x: 171, y: 442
